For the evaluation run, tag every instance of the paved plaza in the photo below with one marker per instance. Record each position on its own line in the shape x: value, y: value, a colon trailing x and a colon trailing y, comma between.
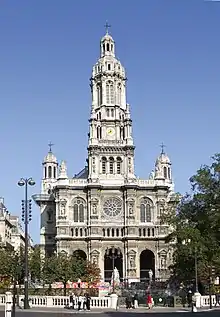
x: 158, y: 311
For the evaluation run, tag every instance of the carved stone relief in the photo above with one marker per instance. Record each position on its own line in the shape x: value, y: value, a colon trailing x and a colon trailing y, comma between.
x: 131, y: 208
x: 62, y: 207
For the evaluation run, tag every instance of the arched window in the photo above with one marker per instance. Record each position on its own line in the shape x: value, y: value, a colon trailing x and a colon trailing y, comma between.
x: 112, y: 112
x: 76, y: 232
x: 165, y: 172
x: 139, y: 232
x: 99, y: 132
x: 78, y: 210
x: 122, y: 232
x: 148, y: 232
x: 104, y: 163
x: 103, y: 232
x: 152, y: 232
x: 146, y: 208
x: 169, y: 174
x: 45, y: 172
x: 118, y: 165
x: 81, y: 232
x: 113, y: 232
x: 144, y: 232
x: 107, y: 47
x: 49, y: 171
x: 109, y: 92
x: 99, y: 95
x: 117, y: 232
x: 107, y: 111
x: 119, y: 95
x: 54, y: 172
x: 85, y: 232
x: 108, y: 232
x: 111, y: 165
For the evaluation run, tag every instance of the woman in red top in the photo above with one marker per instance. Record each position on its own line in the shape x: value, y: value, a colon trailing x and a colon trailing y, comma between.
x: 149, y: 301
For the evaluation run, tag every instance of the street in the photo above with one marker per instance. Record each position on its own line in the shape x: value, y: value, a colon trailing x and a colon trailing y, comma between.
x: 120, y: 313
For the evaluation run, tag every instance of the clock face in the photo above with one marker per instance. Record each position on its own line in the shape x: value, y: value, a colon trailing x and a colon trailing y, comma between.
x: 110, y: 131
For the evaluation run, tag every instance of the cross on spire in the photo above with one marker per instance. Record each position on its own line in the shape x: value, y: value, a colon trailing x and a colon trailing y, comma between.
x: 50, y: 146
x: 107, y: 26
x: 162, y: 148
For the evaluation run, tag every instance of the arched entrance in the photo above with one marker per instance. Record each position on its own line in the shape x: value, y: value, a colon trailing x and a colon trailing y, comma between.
x: 147, y: 263
x: 79, y: 255
x: 113, y: 258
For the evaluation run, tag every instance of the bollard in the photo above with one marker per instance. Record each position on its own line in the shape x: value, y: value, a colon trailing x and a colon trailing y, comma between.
x: 8, y: 304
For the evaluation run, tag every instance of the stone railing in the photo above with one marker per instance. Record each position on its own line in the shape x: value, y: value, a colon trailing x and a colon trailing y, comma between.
x: 96, y: 302
x: 58, y: 301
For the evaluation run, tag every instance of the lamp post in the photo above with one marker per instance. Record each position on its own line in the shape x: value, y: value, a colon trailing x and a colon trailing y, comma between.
x: 185, y: 242
x: 26, y: 218
x: 113, y: 255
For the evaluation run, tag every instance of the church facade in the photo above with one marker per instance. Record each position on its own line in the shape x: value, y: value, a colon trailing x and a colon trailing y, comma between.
x: 105, y: 213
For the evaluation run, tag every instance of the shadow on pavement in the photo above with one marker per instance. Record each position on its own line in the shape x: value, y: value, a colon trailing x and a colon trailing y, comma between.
x: 161, y: 314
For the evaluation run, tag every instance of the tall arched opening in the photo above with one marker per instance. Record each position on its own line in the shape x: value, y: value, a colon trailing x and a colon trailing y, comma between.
x: 79, y: 255
x: 147, y: 263
x: 113, y: 259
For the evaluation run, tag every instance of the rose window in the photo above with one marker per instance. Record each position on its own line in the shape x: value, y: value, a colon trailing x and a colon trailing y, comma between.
x: 112, y: 207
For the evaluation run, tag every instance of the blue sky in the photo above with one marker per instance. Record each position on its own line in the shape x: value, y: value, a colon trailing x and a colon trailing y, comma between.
x: 170, y: 49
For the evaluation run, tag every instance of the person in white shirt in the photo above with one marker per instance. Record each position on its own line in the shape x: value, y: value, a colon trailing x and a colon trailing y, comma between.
x: 80, y: 302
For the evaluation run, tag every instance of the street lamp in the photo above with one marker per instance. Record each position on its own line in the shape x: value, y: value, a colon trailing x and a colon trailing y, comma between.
x: 26, y: 218
x: 185, y: 242
x: 113, y: 255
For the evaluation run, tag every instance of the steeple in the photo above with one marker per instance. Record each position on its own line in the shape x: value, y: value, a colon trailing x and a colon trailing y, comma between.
x: 50, y: 166
x: 107, y: 44
x: 163, y: 166
x: 110, y: 119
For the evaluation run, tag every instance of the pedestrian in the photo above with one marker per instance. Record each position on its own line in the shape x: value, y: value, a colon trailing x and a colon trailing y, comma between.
x: 72, y: 300
x: 80, y: 302
x: 217, y: 298
x: 88, y: 300
x: 189, y: 298
x: 135, y: 301
x: 149, y: 301
x: 84, y: 301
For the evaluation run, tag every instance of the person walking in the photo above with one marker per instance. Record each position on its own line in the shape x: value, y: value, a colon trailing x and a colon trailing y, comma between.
x: 80, y: 302
x: 88, y: 300
x: 149, y: 301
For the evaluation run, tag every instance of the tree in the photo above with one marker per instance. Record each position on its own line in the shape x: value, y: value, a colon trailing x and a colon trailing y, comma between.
x: 35, y: 263
x: 92, y: 273
x: 198, y: 220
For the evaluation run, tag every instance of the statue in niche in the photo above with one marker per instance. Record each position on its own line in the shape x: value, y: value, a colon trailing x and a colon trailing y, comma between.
x: 130, y: 208
x: 132, y: 262
x: 94, y: 209
x: 163, y: 262
x: 62, y: 207
x: 95, y: 260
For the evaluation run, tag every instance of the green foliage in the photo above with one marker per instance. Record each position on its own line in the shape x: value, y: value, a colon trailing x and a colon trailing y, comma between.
x: 198, y: 220
x: 11, y: 264
x: 35, y: 263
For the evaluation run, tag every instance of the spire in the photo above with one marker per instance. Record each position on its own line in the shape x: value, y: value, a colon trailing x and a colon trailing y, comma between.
x: 107, y: 44
x: 162, y: 148
x: 50, y: 147
x: 107, y: 26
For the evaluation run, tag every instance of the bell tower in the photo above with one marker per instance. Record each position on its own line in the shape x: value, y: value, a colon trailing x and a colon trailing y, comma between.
x: 110, y: 148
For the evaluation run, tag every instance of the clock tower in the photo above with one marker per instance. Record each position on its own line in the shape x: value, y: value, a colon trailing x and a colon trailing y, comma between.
x: 110, y: 148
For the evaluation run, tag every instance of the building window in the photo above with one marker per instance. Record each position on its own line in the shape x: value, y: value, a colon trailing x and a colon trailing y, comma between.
x: 99, y: 95
x: 109, y: 92
x: 78, y: 211
x: 165, y: 172
x: 111, y: 165
x: 104, y: 164
x: 107, y: 112
x: 49, y: 171
x: 45, y: 172
x: 112, y: 112
x: 119, y: 95
x: 146, y: 210
x: 118, y: 165
x: 107, y: 47
x: 109, y: 66
x: 54, y: 172
x: 99, y: 132
x: 169, y: 176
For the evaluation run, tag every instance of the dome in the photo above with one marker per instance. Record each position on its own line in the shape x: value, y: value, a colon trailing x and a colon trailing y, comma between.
x: 50, y: 158
x: 163, y: 159
x: 107, y: 37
